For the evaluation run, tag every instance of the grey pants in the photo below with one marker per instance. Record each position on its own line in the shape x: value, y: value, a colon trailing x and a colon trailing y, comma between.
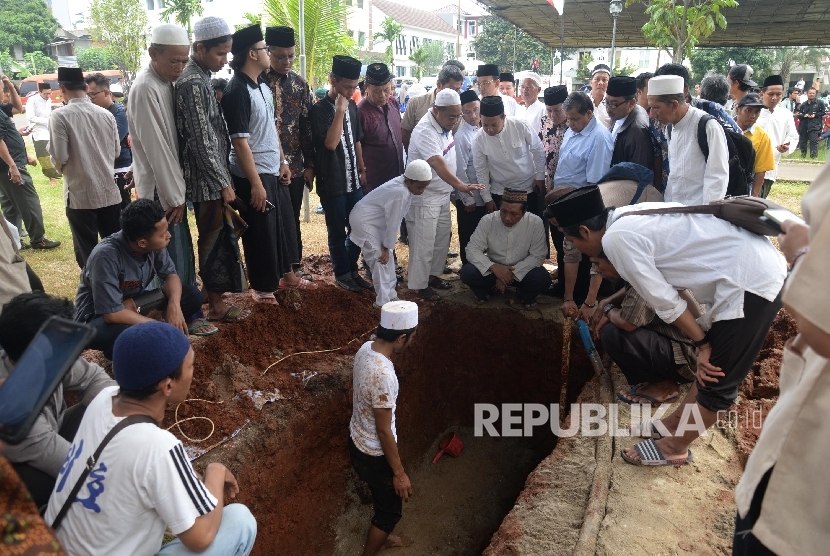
x: 20, y: 203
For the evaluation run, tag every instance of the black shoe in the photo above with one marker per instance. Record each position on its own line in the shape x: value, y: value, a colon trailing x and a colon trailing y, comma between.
x: 45, y: 244
x: 348, y: 284
x: 24, y: 245
x: 452, y: 255
x: 447, y: 270
x: 362, y: 283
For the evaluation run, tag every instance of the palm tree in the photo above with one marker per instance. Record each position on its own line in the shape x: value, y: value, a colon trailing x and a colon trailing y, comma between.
x: 325, y: 33
x: 391, y: 31
x: 182, y: 11
x: 421, y: 59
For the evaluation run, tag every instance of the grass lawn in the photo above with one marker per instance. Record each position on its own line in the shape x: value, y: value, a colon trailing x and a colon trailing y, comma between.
x: 822, y: 153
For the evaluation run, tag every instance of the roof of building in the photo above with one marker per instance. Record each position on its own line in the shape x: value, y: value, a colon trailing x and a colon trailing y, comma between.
x: 413, y: 17
x: 466, y: 9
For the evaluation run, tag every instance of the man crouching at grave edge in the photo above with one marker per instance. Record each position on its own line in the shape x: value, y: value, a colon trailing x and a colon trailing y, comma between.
x: 373, y: 440
x: 658, y: 254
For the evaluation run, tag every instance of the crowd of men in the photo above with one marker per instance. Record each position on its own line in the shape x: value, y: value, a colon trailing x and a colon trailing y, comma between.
x: 562, y: 170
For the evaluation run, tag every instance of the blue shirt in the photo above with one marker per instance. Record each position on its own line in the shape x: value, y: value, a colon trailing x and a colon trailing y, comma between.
x: 584, y: 157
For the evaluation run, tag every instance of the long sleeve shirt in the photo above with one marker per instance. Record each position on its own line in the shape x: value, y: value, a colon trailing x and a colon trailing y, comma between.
x: 464, y: 168
x: 125, y: 159
x: 780, y: 127
x: 533, y: 115
x: 38, y: 111
x: 584, y: 156
x: 514, y: 158
x: 83, y: 145
x: 521, y: 246
x: 718, y: 261
x: 377, y: 216
x: 43, y: 448
x: 382, y: 142
x: 155, y: 140
x: 205, y: 144
x: 695, y: 180
x: 292, y: 102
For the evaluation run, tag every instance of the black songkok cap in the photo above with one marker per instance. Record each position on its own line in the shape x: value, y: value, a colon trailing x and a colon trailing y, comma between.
x: 555, y: 95
x: 346, y: 67
x: 246, y: 38
x: 773, y: 80
x: 378, y: 74
x: 601, y: 68
x: 282, y: 37
x: 507, y: 77
x: 485, y: 70
x: 622, y: 87
x: 468, y: 96
x: 70, y: 75
x: 576, y: 207
x: 492, y: 106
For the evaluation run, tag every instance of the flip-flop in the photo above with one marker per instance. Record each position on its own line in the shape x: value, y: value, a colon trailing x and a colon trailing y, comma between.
x: 650, y: 455
x: 266, y: 298
x: 233, y: 314
x: 303, y: 284
x: 652, y: 400
x: 201, y: 327
x: 439, y: 284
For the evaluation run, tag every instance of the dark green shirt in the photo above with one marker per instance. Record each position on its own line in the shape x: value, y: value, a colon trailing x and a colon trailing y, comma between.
x: 14, y: 142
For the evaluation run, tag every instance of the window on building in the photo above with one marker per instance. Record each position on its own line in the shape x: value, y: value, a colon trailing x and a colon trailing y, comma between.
x: 400, y: 45
x: 400, y: 71
x: 471, y: 28
x: 150, y: 6
x: 360, y: 4
x: 361, y: 38
x: 645, y: 58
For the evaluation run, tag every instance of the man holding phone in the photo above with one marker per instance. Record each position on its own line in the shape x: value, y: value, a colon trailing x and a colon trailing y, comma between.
x: 778, y: 122
x: 38, y: 458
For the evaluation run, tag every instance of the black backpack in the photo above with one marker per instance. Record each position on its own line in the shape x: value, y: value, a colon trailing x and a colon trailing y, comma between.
x: 741, y: 157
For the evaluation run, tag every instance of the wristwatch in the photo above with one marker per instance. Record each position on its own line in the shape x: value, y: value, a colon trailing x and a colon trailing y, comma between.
x: 607, y: 309
x: 284, y: 161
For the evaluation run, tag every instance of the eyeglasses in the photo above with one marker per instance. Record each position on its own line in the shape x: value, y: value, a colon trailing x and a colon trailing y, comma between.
x: 260, y: 48
x: 485, y: 83
x: 451, y: 117
x: 92, y: 96
x: 283, y: 57
x: 613, y: 105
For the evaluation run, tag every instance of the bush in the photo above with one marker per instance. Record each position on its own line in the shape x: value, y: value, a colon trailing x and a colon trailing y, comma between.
x: 96, y: 59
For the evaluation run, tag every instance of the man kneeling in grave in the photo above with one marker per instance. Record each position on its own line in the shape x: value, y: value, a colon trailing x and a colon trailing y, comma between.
x: 508, y: 249
x: 735, y: 274
x: 373, y: 440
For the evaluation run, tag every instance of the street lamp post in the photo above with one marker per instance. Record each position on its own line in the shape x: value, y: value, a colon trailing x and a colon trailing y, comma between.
x: 615, y: 7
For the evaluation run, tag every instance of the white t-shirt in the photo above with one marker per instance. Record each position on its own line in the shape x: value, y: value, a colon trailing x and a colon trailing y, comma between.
x: 375, y: 386
x: 142, y: 483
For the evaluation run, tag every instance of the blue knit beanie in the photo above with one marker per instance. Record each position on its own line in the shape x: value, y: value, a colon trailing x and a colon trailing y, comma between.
x: 146, y: 353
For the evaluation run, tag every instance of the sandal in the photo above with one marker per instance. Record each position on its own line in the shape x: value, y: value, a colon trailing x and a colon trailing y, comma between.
x: 299, y: 273
x: 652, y: 400
x: 647, y: 429
x: 266, y: 298
x: 439, y: 284
x: 201, y: 327
x: 428, y: 294
x: 233, y: 314
x: 651, y: 455
x: 303, y: 284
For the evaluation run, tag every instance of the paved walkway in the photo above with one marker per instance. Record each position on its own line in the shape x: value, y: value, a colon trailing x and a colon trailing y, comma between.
x: 798, y: 171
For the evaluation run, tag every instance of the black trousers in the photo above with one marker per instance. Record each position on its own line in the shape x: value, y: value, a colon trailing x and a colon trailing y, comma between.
x: 296, y: 190
x: 744, y: 543
x: 40, y: 483
x: 126, y: 194
x: 810, y: 136
x: 106, y: 333
x: 532, y: 203
x: 21, y: 204
x: 87, y: 224
x: 467, y: 224
x: 642, y: 355
x: 376, y: 472
x: 535, y: 282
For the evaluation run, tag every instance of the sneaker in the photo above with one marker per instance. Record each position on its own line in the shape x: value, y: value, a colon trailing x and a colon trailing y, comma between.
x: 23, y: 232
x: 45, y: 244
x: 348, y: 284
x: 358, y: 279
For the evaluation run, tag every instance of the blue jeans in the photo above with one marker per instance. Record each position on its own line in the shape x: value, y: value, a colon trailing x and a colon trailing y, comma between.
x: 235, y: 537
x: 344, y: 253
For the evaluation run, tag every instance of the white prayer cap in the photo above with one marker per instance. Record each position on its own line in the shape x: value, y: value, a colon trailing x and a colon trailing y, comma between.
x: 535, y: 77
x: 399, y: 315
x: 211, y: 28
x: 447, y: 97
x: 418, y: 170
x: 665, y: 85
x: 170, y: 35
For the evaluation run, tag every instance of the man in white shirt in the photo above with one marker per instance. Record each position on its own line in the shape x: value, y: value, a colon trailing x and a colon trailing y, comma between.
x: 778, y: 122
x: 534, y: 109
x: 599, y: 85
x: 143, y: 482
x: 373, y: 439
x: 488, y: 81
x: 659, y: 254
x: 468, y: 210
x: 38, y: 110
x: 428, y: 220
x: 694, y: 179
x: 508, y: 249
x: 507, y: 154
x: 375, y: 220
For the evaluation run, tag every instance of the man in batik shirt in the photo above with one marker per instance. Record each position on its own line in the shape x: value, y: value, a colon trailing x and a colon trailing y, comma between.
x: 553, y: 129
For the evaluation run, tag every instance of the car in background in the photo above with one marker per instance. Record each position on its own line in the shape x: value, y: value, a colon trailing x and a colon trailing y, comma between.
x: 28, y: 86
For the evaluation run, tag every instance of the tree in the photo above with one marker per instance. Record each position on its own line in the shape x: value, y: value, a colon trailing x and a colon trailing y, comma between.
x: 584, y: 68
x: 785, y: 59
x: 26, y: 23
x: 625, y: 70
x: 391, y: 31
x: 420, y: 58
x: 182, y: 11
x: 12, y: 68
x: 502, y: 43
x: 325, y: 33
x: 121, y: 24
x: 435, y: 54
x: 720, y: 60
x: 679, y: 24
x: 38, y: 62
x: 96, y: 59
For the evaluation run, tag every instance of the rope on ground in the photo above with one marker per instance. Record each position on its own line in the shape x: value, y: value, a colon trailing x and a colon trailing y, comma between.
x: 280, y: 360
x: 178, y: 421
